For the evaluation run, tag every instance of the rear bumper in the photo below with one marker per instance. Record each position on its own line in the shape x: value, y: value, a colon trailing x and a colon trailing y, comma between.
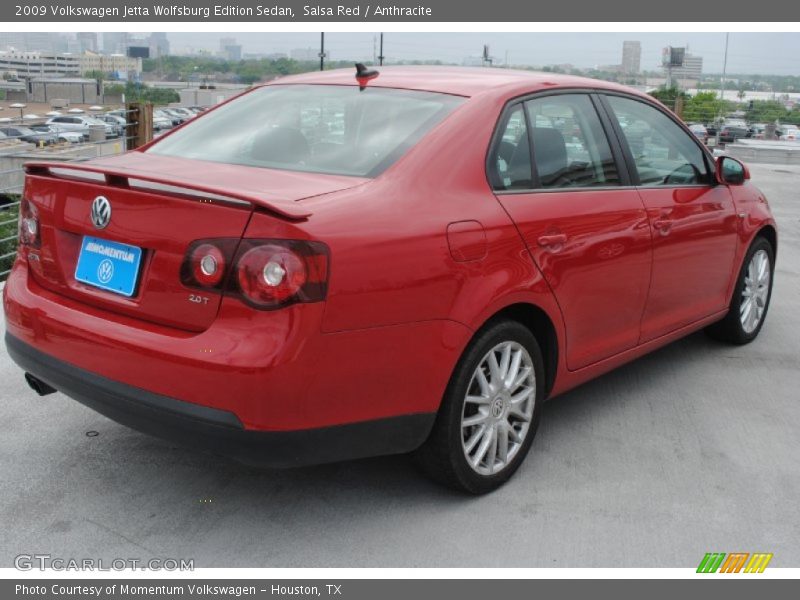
x: 219, y: 430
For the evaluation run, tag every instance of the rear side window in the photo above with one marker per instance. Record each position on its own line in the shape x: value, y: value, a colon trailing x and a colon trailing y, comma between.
x: 570, y: 148
x: 511, y: 158
x: 313, y: 128
x: 664, y: 154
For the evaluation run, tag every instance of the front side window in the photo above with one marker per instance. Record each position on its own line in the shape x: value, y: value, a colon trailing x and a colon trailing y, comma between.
x: 314, y: 128
x: 570, y: 148
x: 664, y: 154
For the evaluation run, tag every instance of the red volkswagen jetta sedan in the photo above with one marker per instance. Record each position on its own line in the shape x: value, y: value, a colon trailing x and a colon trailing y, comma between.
x: 330, y: 266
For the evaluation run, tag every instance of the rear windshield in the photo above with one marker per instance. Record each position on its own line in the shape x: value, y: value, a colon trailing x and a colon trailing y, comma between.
x: 313, y: 128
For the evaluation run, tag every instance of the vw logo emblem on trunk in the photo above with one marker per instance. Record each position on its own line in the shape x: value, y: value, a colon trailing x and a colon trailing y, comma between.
x: 101, y: 212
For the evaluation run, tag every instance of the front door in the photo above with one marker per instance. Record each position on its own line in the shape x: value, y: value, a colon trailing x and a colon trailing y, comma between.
x: 693, y: 220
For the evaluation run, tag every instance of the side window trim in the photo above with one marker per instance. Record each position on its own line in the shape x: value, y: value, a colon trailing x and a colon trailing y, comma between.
x: 623, y: 142
x: 620, y: 150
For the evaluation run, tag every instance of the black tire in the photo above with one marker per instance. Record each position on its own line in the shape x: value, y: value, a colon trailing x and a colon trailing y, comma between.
x: 730, y: 329
x: 442, y: 456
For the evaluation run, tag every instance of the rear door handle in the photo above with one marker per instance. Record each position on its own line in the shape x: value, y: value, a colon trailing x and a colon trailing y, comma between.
x: 552, y: 240
x: 663, y: 225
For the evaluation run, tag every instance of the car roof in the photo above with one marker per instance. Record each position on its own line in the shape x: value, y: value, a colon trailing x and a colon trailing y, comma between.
x: 460, y: 81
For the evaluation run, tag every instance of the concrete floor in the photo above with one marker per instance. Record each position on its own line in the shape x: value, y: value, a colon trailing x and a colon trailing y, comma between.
x: 692, y: 449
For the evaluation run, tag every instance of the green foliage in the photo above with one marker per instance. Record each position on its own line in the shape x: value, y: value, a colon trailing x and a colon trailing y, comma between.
x: 8, y: 218
x: 668, y: 96
x: 138, y: 92
x: 199, y: 68
x: 705, y: 107
x: 97, y: 75
x: 767, y: 111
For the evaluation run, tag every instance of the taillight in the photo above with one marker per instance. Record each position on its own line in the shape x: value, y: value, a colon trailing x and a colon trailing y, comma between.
x: 28, y: 224
x: 264, y: 273
x: 208, y: 265
x: 275, y: 273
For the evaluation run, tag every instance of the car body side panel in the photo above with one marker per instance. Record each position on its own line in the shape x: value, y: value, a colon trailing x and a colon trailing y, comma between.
x: 694, y: 241
x: 753, y: 215
x: 601, y: 271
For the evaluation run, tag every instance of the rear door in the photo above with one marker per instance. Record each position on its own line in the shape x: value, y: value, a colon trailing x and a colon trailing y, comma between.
x: 693, y: 219
x: 558, y: 175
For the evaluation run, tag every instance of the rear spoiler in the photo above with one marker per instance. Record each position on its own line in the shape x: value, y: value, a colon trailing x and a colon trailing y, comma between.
x: 287, y: 209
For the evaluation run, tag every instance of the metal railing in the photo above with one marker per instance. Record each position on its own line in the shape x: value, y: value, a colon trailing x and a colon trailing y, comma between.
x: 19, y: 149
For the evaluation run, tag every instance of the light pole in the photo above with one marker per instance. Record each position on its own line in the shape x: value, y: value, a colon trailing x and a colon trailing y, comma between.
x: 380, y: 56
x: 724, y: 69
x: 322, y: 51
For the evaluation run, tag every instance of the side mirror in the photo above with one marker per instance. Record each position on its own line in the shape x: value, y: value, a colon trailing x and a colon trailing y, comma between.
x: 731, y: 171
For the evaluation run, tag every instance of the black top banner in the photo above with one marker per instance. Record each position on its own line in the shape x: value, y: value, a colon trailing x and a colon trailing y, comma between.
x: 398, y: 10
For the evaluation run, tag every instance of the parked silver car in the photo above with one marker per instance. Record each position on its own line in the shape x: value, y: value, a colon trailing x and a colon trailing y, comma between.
x: 80, y: 124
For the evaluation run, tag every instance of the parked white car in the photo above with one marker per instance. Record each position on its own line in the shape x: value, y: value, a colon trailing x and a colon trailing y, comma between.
x: 791, y: 135
x: 79, y: 124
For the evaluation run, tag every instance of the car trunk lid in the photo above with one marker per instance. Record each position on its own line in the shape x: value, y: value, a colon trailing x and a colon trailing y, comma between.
x: 160, y: 206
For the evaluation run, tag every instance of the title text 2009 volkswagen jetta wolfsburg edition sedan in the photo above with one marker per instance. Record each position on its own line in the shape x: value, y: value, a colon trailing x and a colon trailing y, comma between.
x: 331, y: 266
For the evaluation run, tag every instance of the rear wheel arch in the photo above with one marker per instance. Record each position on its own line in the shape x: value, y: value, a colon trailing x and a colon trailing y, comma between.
x: 539, y: 323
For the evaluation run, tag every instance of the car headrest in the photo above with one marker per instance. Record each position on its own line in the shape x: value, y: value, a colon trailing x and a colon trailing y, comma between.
x: 280, y: 144
x: 550, y: 154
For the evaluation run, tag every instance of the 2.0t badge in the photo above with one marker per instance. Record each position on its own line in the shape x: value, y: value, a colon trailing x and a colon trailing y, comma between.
x: 101, y: 212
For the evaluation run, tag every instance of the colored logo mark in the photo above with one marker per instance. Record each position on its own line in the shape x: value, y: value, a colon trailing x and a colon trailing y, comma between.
x: 735, y: 562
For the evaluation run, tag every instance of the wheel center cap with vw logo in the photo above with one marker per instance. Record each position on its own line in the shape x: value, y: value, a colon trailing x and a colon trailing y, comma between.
x: 101, y: 212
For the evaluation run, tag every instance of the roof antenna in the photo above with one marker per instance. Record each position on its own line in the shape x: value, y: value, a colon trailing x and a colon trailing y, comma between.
x: 363, y: 75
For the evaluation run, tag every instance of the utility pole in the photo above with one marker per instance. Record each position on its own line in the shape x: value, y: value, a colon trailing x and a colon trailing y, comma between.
x: 724, y: 70
x: 380, y: 56
x: 322, y: 51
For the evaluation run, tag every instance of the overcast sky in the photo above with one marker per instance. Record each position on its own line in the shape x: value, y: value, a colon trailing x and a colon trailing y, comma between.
x: 775, y: 53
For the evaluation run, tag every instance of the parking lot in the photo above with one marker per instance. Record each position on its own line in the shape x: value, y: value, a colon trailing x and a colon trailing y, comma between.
x: 689, y: 450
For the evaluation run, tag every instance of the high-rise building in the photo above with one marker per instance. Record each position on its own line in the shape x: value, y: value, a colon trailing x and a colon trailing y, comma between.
x: 115, y: 42
x: 691, y: 67
x: 631, y: 57
x: 87, y: 42
x: 229, y: 49
x: 159, y: 45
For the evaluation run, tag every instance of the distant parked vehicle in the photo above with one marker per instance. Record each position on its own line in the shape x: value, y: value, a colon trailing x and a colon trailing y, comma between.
x: 185, y: 112
x: 730, y: 133
x: 117, y: 122
x: 791, y: 134
x: 26, y: 134
x: 161, y: 120
x: 700, y: 132
x: 73, y: 137
x: 80, y: 124
x: 161, y: 113
x: 177, y: 116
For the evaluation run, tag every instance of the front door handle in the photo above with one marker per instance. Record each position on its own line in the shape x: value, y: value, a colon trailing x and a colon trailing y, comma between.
x: 552, y: 240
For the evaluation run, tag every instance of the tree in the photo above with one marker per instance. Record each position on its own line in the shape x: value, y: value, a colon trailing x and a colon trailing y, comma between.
x: 704, y: 107
x: 668, y: 96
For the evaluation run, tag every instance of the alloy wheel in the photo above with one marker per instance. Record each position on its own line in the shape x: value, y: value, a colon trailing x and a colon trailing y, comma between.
x: 755, y: 292
x: 498, y: 408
